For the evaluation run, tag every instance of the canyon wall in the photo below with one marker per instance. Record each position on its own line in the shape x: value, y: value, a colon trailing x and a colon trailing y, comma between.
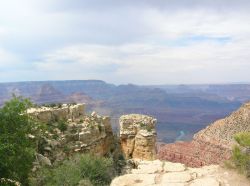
x: 211, y: 145
x: 69, y: 130
x: 138, y: 136
x: 53, y: 114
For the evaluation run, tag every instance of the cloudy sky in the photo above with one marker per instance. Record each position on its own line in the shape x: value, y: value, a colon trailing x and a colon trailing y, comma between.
x: 125, y: 41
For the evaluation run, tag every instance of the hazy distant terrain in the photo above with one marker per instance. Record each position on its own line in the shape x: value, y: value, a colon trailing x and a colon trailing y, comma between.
x: 181, y: 110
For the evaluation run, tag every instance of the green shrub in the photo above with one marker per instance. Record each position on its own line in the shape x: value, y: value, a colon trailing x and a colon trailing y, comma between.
x: 240, y: 157
x: 90, y: 168
x: 243, y: 139
x: 16, y: 149
x: 98, y: 170
x: 62, y: 125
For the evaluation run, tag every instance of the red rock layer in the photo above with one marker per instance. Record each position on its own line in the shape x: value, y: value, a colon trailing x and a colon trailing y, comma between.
x: 194, y: 153
x: 211, y: 145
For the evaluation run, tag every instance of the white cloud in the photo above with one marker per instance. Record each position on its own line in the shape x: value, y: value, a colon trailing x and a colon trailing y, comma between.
x: 139, y: 43
x: 147, y: 63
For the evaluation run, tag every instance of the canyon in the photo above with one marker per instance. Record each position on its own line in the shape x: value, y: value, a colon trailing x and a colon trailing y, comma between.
x: 71, y: 130
x: 181, y: 110
x: 212, y: 145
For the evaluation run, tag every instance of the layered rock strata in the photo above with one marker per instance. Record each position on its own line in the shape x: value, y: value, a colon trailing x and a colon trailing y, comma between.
x: 53, y: 114
x: 212, y: 145
x: 138, y: 136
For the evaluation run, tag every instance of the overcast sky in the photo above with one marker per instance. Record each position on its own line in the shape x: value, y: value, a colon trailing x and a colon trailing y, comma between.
x: 125, y: 41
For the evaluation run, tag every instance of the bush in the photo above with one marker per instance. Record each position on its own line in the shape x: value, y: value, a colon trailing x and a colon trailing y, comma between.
x: 241, y: 156
x: 82, y: 169
x: 243, y: 139
x: 16, y: 149
x: 62, y: 125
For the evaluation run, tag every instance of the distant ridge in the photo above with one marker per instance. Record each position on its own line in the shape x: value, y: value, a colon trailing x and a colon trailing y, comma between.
x: 178, y: 108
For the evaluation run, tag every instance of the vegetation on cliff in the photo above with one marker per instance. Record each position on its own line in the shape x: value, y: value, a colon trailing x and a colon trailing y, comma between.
x: 80, y: 169
x: 32, y: 151
x: 241, y: 153
x: 16, y: 149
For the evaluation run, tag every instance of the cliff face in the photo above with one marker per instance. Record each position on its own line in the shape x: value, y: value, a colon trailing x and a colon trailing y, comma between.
x: 138, y: 136
x: 53, y: 114
x: 211, y: 145
x: 70, y: 130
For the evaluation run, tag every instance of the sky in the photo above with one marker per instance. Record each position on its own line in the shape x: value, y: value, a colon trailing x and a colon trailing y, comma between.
x: 125, y: 41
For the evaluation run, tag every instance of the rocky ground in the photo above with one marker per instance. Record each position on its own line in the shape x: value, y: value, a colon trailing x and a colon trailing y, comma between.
x: 160, y: 173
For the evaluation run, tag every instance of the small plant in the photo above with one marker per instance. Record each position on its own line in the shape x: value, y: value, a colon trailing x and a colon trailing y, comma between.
x: 66, y: 149
x: 241, y: 154
x: 59, y: 105
x: 62, y: 125
x: 99, y: 128
x: 243, y: 139
x: 142, y: 125
x: 148, y: 128
x: 55, y: 136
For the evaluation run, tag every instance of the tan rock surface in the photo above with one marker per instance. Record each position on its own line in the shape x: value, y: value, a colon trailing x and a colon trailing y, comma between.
x: 82, y: 133
x: 212, y: 175
x: 138, y: 136
x: 52, y: 114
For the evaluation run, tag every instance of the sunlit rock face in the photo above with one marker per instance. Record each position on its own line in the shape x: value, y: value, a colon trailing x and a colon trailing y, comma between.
x: 70, y: 130
x: 212, y: 145
x: 53, y: 114
x: 138, y: 136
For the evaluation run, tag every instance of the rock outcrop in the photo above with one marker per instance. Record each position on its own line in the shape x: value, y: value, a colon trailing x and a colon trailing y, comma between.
x: 212, y: 145
x: 138, y: 136
x: 160, y: 173
x: 54, y: 114
x: 70, y: 130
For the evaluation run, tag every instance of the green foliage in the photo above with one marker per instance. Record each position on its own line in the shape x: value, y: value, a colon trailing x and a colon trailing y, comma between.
x: 243, y: 139
x: 16, y: 149
x: 97, y: 170
x: 146, y: 127
x: 8, y: 182
x: 62, y: 125
x: 241, y: 158
x: 99, y: 127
